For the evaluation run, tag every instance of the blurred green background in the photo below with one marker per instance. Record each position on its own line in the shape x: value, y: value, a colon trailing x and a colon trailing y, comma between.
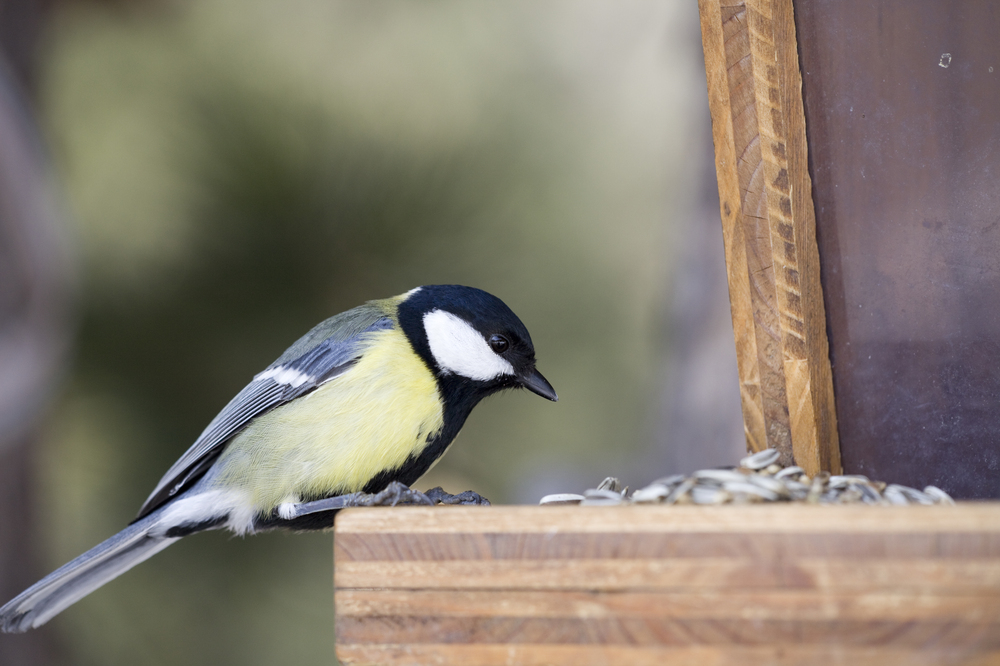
x: 234, y: 172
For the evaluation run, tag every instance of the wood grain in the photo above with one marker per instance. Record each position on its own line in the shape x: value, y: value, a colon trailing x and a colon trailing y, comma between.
x: 445, y: 654
x: 671, y: 575
x: 765, y: 196
x: 633, y: 585
x: 978, y: 518
x: 784, y: 605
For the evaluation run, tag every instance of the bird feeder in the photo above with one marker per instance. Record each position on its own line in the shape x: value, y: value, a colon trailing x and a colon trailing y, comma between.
x: 857, y: 150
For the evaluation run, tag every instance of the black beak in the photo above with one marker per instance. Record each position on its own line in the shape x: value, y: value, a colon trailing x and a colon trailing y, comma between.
x: 534, y: 382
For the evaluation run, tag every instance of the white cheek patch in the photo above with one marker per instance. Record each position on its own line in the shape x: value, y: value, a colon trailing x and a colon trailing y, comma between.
x: 458, y: 348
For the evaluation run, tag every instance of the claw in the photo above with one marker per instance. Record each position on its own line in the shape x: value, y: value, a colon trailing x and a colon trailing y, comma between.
x: 439, y: 496
x: 393, y: 494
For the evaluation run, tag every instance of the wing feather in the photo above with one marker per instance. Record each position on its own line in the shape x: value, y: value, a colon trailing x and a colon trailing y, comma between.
x: 328, y: 350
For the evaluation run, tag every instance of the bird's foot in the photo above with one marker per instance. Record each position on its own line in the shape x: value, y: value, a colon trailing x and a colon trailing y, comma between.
x: 469, y: 497
x: 396, y: 493
x: 393, y: 494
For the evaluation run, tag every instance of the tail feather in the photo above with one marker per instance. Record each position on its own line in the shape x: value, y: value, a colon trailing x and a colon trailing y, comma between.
x: 75, y: 580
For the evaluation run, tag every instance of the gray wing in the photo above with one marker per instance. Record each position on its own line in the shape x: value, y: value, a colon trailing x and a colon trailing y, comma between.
x: 326, y: 351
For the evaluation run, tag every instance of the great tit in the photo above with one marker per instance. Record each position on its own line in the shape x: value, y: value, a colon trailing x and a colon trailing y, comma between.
x: 367, y: 400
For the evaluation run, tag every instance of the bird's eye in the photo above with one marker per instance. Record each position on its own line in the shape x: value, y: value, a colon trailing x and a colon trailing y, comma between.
x: 499, y: 344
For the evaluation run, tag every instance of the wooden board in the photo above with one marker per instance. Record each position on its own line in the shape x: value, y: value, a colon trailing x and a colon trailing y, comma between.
x: 769, y: 230
x: 777, y: 584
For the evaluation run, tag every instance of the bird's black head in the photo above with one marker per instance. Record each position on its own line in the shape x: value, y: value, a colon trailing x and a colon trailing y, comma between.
x: 471, y: 340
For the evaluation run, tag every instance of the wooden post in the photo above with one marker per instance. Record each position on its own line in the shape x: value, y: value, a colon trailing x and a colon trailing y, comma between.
x: 769, y: 229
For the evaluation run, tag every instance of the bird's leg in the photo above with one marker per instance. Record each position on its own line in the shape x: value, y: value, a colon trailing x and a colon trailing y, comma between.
x: 439, y: 496
x: 322, y: 505
x: 307, y: 515
x: 395, y: 493
x: 318, y: 514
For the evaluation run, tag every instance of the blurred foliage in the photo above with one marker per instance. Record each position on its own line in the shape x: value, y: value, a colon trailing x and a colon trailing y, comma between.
x: 241, y: 170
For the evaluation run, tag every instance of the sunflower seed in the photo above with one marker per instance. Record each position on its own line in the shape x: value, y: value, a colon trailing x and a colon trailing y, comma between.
x: 601, y: 494
x: 798, y: 491
x: 602, y: 501
x: 611, y: 483
x: 845, y: 480
x: 850, y: 495
x: 894, y: 495
x: 829, y: 497
x: 702, y: 495
x: 939, y: 496
x: 719, y: 475
x: 680, y: 491
x: 794, y: 470
x: 816, y: 487
x: 770, y: 484
x: 761, y: 459
x: 734, y: 487
x: 562, y: 498
x: 915, y: 496
x: 869, y: 495
x: 760, y: 478
x: 671, y: 481
x: 652, y: 493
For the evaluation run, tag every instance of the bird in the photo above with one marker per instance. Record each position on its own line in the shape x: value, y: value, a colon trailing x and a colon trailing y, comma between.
x: 352, y: 414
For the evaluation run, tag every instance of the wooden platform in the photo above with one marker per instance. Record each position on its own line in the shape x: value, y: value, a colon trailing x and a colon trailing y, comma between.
x: 763, y: 584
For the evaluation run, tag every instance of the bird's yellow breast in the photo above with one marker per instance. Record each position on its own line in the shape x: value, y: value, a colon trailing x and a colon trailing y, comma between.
x: 337, y: 438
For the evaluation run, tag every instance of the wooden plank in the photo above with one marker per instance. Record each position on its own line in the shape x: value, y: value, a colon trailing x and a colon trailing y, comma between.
x: 630, y: 585
x: 973, y: 517
x: 815, y: 437
x: 754, y: 425
x: 444, y: 654
x: 675, y: 575
x: 779, y: 320
x: 907, y: 633
x: 752, y: 546
x: 786, y: 605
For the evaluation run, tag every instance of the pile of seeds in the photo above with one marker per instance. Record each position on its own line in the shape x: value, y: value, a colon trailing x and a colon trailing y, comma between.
x: 759, y: 478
